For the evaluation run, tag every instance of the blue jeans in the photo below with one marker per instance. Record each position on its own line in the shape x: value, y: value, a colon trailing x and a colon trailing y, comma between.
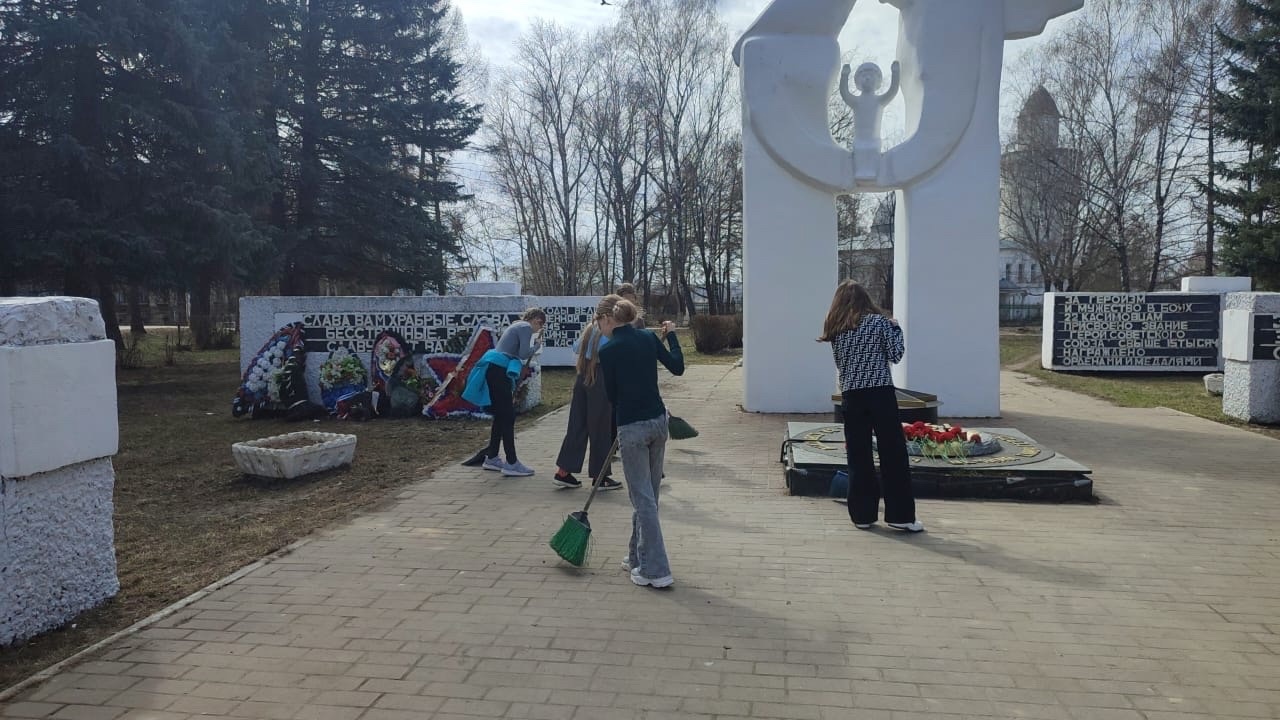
x: 643, y: 445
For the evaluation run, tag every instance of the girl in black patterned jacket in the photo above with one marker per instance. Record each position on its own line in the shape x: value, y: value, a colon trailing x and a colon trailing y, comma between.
x: 864, y: 343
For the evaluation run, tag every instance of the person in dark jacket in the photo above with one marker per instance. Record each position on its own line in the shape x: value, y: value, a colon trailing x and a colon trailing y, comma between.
x: 864, y: 342
x: 590, y: 412
x: 630, y: 367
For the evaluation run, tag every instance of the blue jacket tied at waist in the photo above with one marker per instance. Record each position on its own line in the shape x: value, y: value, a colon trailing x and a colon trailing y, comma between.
x: 477, y: 390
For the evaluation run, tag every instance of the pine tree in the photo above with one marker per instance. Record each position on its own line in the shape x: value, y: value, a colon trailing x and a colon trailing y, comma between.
x: 371, y: 105
x: 120, y: 148
x: 1250, y: 115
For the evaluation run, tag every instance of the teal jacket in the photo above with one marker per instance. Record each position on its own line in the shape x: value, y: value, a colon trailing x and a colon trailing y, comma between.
x: 477, y: 390
x: 630, y: 367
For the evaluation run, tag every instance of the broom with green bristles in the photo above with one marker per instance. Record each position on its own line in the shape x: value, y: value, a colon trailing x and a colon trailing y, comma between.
x: 572, y: 539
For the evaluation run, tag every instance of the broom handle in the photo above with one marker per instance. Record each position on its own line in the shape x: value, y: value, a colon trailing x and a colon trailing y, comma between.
x: 439, y: 393
x: 600, y: 476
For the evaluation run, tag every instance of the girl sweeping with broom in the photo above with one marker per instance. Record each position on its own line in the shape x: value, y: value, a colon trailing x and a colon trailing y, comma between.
x: 630, y: 368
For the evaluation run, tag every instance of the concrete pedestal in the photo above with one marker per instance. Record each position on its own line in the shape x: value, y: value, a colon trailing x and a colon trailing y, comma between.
x: 790, y: 269
x: 1251, y: 387
x: 58, y: 431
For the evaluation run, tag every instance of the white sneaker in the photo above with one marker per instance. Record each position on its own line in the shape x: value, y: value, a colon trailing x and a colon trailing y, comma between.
x: 517, y: 469
x: 626, y: 564
x: 864, y: 526
x: 912, y: 527
x: 664, y: 581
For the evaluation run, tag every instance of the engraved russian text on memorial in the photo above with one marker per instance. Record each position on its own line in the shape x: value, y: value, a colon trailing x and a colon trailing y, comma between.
x: 1156, y: 331
x: 427, y: 332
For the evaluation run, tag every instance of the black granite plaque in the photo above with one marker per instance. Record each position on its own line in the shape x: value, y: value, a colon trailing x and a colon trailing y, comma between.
x: 1266, y: 337
x: 1137, y: 331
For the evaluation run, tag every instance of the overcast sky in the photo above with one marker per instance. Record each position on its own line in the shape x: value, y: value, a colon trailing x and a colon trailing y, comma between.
x: 872, y: 31
x: 495, y: 24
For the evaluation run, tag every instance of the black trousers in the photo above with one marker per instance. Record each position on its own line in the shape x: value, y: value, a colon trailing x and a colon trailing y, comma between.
x: 502, y: 407
x: 876, y: 410
x: 590, y: 422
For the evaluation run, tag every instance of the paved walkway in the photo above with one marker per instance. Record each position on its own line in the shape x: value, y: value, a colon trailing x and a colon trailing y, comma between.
x: 1161, y: 602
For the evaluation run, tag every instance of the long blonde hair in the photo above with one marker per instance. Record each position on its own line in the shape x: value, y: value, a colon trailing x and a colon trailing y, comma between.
x: 850, y: 305
x: 590, y: 340
x: 626, y: 312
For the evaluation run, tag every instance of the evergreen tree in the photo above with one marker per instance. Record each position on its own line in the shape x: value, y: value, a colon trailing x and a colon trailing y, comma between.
x: 1250, y: 115
x: 118, y: 144
x: 371, y: 106
x: 185, y: 143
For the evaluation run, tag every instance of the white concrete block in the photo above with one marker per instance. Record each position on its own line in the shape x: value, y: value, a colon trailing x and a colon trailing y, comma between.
x: 1046, y: 331
x: 1265, y: 303
x: 491, y: 288
x: 57, y: 557
x: 1204, y: 284
x: 790, y: 271
x: 48, y: 320
x: 1237, y: 334
x: 57, y: 406
x: 1213, y: 383
x: 1251, y: 389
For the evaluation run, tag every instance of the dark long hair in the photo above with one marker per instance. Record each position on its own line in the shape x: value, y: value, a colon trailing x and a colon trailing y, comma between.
x: 850, y: 305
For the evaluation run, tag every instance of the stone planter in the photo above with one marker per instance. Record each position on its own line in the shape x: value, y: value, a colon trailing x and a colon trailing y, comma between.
x: 294, y: 454
x: 1213, y: 383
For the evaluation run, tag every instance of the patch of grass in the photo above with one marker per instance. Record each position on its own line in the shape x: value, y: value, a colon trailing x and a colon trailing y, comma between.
x: 1183, y: 392
x: 172, y: 346
x: 185, y: 516
x: 1018, y: 349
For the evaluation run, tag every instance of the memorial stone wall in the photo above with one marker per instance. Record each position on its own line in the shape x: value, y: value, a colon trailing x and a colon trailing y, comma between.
x: 1153, y: 332
x: 426, y: 323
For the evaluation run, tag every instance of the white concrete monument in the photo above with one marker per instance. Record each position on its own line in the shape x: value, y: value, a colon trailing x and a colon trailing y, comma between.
x: 868, y: 110
x: 58, y: 432
x: 947, y: 173
x: 1251, y: 345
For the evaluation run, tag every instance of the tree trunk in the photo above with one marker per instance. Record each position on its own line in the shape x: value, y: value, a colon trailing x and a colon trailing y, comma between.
x: 106, y: 298
x: 137, y: 323
x: 201, y: 320
x: 300, y: 276
x: 1211, y: 189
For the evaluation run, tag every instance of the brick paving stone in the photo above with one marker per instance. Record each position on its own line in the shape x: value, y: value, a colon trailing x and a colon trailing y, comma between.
x: 1157, y: 603
x: 28, y: 709
x: 88, y: 712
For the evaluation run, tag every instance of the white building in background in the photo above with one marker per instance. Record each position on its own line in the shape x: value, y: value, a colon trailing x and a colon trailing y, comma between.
x: 1038, y: 199
x: 1021, y: 283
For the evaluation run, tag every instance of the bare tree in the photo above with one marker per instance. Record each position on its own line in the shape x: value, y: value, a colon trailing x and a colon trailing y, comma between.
x: 679, y: 51
x: 540, y: 151
x: 1091, y: 73
x: 1167, y: 97
x: 1131, y: 78
x: 620, y: 156
x: 1040, y: 196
